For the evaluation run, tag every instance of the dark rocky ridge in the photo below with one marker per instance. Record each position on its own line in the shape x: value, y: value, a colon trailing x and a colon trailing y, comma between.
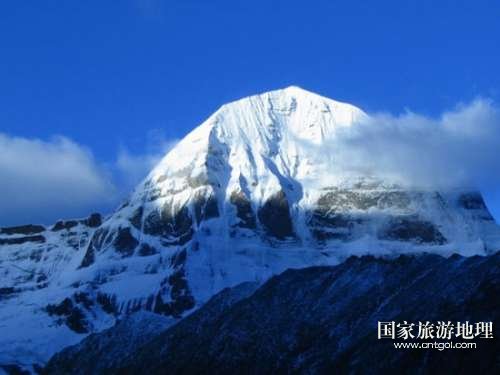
x: 324, y: 320
x: 23, y: 229
x: 102, y: 350
x: 22, y: 240
x: 244, y: 210
x: 332, y: 219
x: 93, y: 221
x: 174, y: 229
x: 100, y: 239
x: 472, y: 201
x: 124, y: 242
x: 411, y: 228
x: 275, y: 216
x: 176, y: 286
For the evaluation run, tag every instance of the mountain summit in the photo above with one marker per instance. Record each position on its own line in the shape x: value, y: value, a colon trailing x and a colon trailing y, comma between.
x: 258, y: 188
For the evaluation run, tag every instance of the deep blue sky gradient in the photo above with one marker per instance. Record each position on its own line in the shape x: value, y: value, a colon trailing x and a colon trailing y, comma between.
x: 107, y: 73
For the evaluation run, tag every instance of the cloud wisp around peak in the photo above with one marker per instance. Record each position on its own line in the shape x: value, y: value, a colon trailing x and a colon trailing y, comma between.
x: 45, y: 180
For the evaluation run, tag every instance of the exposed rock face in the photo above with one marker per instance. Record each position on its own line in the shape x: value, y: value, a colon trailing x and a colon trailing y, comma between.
x: 72, y: 315
x: 93, y: 221
x: 23, y: 229
x: 413, y: 229
x: 205, y: 208
x: 60, y: 225
x: 275, y: 216
x: 361, y: 197
x: 22, y: 240
x: 136, y: 218
x: 124, y: 242
x: 346, y: 215
x: 322, y: 320
x: 244, y: 210
x: 102, y: 350
x: 472, y: 201
x: 174, y: 226
x: 146, y: 250
x: 99, y: 240
x: 328, y: 220
x: 180, y: 296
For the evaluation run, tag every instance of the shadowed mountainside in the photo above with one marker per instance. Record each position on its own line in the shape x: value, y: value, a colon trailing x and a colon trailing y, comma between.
x: 324, y: 320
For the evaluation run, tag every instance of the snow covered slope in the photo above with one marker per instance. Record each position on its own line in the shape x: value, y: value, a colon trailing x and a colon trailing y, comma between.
x: 254, y: 190
x: 35, y: 264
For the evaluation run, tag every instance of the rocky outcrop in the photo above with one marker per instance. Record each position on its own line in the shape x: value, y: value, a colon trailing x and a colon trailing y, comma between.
x: 244, y: 210
x: 100, y: 239
x: 22, y: 240
x: 205, y: 208
x: 102, y: 352
x: 93, y: 221
x: 364, y: 197
x: 23, y: 229
x: 124, y: 242
x: 179, y: 297
x: 472, y: 201
x: 274, y: 215
x: 61, y: 225
x: 173, y: 225
x: 136, y: 218
x: 69, y: 314
x: 412, y: 229
x: 146, y: 250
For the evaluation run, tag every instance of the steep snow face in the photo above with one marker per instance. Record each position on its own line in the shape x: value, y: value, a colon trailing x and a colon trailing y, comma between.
x: 259, y: 143
x: 252, y: 191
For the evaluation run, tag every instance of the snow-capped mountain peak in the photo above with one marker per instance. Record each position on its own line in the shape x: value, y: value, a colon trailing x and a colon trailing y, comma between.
x: 262, y: 122
x: 259, y: 140
x: 250, y: 192
x: 259, y: 174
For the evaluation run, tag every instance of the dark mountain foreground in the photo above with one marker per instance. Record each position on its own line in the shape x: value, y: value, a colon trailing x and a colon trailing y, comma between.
x: 316, y: 320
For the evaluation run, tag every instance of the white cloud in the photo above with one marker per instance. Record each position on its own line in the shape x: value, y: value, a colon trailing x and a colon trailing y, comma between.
x: 131, y: 168
x: 44, y: 180
x: 460, y: 148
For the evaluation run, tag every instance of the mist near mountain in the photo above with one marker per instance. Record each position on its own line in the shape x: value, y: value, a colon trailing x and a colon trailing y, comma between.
x: 43, y: 179
x: 458, y: 148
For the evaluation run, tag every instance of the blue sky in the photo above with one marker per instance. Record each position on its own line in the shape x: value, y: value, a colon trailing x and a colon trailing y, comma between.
x: 121, y: 80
